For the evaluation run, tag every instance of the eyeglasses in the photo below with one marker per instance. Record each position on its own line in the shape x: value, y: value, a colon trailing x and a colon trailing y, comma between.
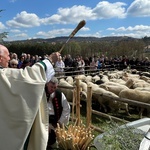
x: 14, y: 64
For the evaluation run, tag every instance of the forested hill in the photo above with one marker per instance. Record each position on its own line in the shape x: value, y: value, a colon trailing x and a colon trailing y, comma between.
x: 81, y: 39
x: 113, y: 46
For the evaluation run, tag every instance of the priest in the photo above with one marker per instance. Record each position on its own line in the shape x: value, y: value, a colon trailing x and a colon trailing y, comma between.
x: 23, y: 103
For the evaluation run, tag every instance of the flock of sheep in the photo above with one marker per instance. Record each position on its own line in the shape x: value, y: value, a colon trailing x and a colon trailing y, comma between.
x: 128, y: 84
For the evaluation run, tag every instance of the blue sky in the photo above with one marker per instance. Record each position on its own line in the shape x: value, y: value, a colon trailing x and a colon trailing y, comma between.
x: 29, y: 19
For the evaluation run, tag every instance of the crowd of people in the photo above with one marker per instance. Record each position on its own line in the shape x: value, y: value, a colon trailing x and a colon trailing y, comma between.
x: 79, y: 65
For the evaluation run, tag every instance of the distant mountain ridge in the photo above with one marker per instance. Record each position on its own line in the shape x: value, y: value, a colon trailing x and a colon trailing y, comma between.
x: 80, y: 39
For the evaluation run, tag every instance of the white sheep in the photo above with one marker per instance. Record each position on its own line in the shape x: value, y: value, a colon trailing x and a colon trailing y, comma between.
x: 83, y: 89
x: 93, y: 85
x: 88, y: 79
x: 114, y: 88
x: 67, y: 89
x: 82, y: 77
x: 129, y: 83
x: 120, y: 81
x: 68, y: 92
x: 145, y: 78
x: 126, y: 76
x: 95, y: 78
x: 137, y: 95
x: 143, y: 88
x: 104, y: 78
x: 140, y: 83
x: 69, y: 79
x: 107, y: 101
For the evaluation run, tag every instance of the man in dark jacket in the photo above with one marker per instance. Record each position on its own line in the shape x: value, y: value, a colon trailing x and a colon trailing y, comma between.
x: 59, y: 110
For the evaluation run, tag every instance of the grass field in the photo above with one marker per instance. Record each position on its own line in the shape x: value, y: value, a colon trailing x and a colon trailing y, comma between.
x: 103, y: 123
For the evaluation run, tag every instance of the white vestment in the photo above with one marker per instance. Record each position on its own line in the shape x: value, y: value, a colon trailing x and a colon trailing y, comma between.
x: 23, y: 108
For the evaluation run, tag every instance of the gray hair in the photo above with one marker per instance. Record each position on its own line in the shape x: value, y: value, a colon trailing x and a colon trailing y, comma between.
x: 14, y: 61
x: 54, y: 80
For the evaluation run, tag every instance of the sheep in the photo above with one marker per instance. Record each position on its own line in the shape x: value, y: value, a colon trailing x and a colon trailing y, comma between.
x: 137, y: 95
x: 148, y: 81
x: 143, y: 88
x: 88, y: 79
x: 68, y: 92
x: 134, y: 83
x: 147, y: 74
x: 95, y: 78
x: 83, y: 92
x: 81, y: 77
x: 104, y: 79
x: 129, y: 83
x: 99, y: 82
x: 112, y: 104
x: 113, y: 88
x: 126, y: 76
x: 61, y: 79
x: 93, y: 85
x: 145, y: 78
x: 121, y: 81
x: 111, y: 83
x: 83, y: 85
x: 114, y: 75
x: 140, y: 83
x: 69, y: 79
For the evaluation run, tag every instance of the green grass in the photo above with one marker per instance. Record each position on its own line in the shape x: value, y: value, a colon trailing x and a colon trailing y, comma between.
x: 121, y: 138
x: 103, y: 123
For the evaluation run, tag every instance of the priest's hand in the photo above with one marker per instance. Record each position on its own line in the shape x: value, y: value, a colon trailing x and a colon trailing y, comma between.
x: 54, y: 57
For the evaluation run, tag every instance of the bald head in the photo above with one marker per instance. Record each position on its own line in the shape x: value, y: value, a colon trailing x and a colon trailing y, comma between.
x: 4, y: 56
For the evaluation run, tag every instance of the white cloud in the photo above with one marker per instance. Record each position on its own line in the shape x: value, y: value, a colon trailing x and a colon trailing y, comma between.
x: 15, y: 31
x: 130, y: 28
x: 57, y: 32
x: 138, y: 28
x: 16, y: 37
x: 105, y: 10
x: 139, y: 8
x: 2, y: 26
x: 76, y: 13
x: 54, y: 33
x: 24, y: 19
x: 85, y: 29
x: 137, y: 31
x: 132, y: 34
x: 69, y: 15
x: 72, y: 15
x: 21, y: 35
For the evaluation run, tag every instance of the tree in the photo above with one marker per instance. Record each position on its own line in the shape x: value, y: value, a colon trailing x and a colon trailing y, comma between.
x: 4, y: 34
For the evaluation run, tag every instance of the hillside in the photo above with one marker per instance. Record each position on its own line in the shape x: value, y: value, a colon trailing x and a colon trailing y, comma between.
x: 81, y: 39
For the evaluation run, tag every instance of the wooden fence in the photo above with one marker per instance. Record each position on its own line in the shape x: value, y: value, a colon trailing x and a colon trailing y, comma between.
x: 88, y: 70
x: 89, y: 110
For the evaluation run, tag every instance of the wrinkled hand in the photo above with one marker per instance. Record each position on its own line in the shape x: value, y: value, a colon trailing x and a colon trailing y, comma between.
x: 60, y: 125
x: 54, y: 57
